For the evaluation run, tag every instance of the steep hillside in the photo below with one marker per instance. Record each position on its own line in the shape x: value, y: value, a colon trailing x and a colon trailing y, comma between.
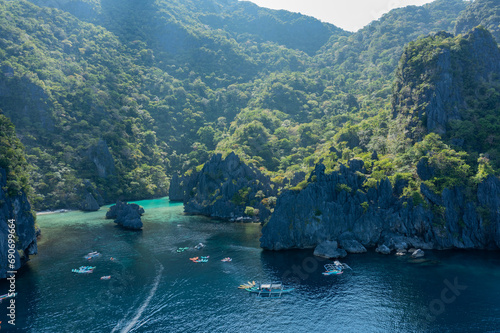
x: 451, y: 86
x: 110, y: 97
x: 421, y: 192
x: 366, y: 60
x: 485, y: 13
x: 71, y: 89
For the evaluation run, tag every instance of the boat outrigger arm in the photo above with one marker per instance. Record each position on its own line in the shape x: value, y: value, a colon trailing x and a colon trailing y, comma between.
x: 341, y: 264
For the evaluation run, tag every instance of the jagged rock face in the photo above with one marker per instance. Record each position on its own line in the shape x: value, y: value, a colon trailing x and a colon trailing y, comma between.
x: 352, y: 246
x: 89, y: 203
x: 102, y: 158
x: 176, y: 190
x: 383, y: 249
x: 19, y: 209
x: 329, y: 250
x: 224, y: 188
x: 91, y: 200
x: 126, y: 215
x: 331, y: 209
x: 432, y: 82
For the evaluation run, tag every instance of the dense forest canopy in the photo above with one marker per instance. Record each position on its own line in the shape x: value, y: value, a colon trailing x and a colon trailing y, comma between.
x: 112, y: 97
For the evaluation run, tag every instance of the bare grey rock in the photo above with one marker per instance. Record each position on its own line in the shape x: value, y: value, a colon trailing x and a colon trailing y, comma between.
x: 383, y: 249
x: 352, y: 246
x: 100, y: 155
x: 329, y: 249
x: 418, y: 254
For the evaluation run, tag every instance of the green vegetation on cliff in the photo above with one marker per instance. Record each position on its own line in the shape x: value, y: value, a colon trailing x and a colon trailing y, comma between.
x: 111, y: 97
x: 13, y: 160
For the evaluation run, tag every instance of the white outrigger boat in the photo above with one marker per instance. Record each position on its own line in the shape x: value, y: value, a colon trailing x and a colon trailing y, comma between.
x: 336, y: 268
x: 91, y: 255
x: 84, y: 270
x: 273, y: 289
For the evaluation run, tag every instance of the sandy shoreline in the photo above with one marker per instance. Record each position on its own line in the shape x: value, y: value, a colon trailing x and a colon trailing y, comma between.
x: 53, y: 211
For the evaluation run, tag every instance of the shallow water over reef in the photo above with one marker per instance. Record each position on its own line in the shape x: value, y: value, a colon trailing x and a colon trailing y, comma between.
x: 155, y: 289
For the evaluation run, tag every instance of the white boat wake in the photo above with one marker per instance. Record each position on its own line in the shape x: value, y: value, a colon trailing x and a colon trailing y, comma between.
x: 141, y: 309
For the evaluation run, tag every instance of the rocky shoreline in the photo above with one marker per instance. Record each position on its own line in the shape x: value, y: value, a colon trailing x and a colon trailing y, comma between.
x: 332, y: 208
x: 338, y: 208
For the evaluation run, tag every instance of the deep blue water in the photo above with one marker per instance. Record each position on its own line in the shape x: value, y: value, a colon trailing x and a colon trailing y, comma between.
x: 155, y: 289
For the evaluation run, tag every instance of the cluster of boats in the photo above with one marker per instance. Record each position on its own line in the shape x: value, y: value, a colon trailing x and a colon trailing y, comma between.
x: 276, y: 289
x: 200, y: 246
x: 90, y: 269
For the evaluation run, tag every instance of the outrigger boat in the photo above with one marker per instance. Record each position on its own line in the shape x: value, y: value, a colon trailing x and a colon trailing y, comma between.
x: 273, y: 289
x: 336, y: 268
x: 106, y: 277
x: 2, y: 297
x: 199, y: 246
x: 199, y: 259
x: 92, y: 255
x: 84, y: 270
x: 182, y: 249
x: 227, y: 259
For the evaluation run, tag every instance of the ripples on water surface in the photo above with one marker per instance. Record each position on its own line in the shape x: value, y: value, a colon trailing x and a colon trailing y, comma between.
x: 155, y: 289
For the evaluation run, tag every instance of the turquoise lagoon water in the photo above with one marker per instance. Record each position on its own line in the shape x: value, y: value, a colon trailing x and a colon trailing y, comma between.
x: 155, y: 289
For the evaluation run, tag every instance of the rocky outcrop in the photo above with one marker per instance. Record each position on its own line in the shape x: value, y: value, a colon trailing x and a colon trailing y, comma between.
x: 126, y: 215
x: 89, y: 203
x: 90, y: 200
x: 100, y: 155
x: 337, y: 204
x: 329, y: 250
x: 383, y: 249
x: 15, y: 208
x: 417, y: 253
x: 352, y: 246
x: 176, y: 189
x: 432, y: 87
x: 229, y: 189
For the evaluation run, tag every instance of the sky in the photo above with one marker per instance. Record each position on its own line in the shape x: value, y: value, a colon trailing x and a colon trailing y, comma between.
x: 350, y: 15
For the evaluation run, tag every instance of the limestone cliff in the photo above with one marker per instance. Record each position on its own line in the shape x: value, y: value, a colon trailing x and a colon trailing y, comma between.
x: 229, y: 189
x: 176, y: 190
x: 17, y: 208
x: 337, y: 206
x: 437, y: 74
